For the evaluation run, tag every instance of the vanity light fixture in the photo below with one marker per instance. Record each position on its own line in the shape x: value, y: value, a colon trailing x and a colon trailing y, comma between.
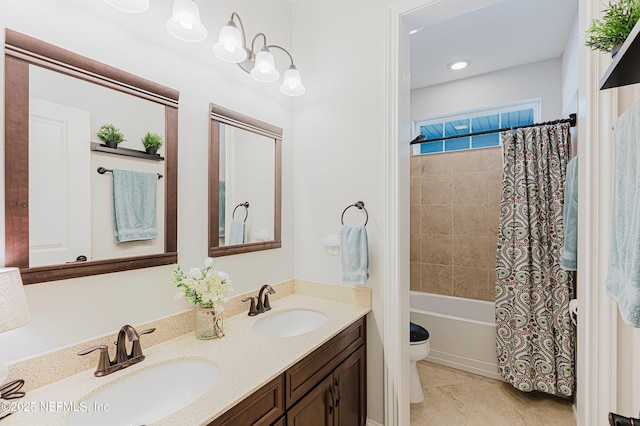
x: 458, y: 64
x: 185, y: 22
x: 14, y: 310
x: 232, y: 47
x: 131, y: 6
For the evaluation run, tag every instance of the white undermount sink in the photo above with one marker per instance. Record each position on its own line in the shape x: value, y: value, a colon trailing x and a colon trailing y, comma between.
x: 147, y: 396
x: 290, y: 323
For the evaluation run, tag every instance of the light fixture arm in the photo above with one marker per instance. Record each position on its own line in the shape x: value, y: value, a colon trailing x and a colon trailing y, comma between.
x: 283, y: 49
x: 254, y: 41
x: 244, y: 35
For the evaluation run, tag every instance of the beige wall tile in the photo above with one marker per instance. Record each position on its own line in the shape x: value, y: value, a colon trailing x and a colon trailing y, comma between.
x: 470, y: 282
x: 493, y: 158
x: 436, y: 249
x: 437, y: 279
x: 415, y: 273
x: 470, y: 188
x: 491, y: 285
x: 469, y: 161
x: 415, y: 194
x: 436, y: 164
x: 415, y: 165
x: 437, y: 219
x: 470, y: 219
x: 470, y: 251
x: 437, y: 189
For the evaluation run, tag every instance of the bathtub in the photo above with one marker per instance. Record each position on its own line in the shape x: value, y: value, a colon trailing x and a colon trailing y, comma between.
x: 462, y: 332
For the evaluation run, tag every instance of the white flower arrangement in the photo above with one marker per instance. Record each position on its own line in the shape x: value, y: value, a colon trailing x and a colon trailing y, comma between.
x: 206, y: 288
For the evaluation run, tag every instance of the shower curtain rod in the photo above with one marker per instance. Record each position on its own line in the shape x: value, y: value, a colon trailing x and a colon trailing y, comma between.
x: 572, y: 120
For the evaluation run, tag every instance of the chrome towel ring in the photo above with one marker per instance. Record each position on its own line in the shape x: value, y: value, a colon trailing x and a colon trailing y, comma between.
x: 246, y: 210
x: 359, y: 205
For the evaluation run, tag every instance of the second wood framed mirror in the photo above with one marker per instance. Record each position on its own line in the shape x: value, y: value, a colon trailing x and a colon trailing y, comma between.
x: 245, y: 183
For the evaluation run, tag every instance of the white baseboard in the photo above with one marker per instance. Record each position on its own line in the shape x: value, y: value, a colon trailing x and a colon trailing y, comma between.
x: 373, y: 423
x: 474, y: 366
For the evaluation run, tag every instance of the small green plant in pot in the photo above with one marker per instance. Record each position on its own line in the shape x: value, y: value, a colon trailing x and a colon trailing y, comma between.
x: 152, y: 142
x: 111, y: 135
x: 608, y: 34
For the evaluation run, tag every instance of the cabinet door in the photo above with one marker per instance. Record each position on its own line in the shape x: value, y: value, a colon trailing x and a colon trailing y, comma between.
x: 349, y: 388
x: 315, y: 409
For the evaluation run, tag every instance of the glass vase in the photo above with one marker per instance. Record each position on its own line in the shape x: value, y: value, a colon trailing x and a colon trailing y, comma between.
x: 209, y: 323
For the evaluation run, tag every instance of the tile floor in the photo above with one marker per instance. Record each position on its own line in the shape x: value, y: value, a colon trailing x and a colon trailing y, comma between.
x: 455, y: 397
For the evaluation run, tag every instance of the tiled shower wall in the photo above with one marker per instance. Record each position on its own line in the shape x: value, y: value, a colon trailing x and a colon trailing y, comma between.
x: 455, y: 208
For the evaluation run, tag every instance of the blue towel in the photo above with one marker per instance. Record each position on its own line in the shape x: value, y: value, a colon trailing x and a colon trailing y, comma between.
x: 569, y: 258
x: 135, y: 205
x: 623, y: 278
x: 354, y: 254
x: 236, y: 233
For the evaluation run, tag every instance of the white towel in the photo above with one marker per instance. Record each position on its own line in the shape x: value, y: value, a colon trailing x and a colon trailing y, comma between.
x: 236, y: 232
x: 623, y: 278
x: 135, y: 205
x: 354, y: 254
x: 569, y: 258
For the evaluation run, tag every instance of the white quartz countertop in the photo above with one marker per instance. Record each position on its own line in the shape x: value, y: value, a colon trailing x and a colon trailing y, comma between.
x: 247, y: 361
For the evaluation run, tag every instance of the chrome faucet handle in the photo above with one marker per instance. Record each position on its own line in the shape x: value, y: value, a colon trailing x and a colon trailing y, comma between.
x: 252, y: 309
x: 136, y: 349
x: 103, y: 363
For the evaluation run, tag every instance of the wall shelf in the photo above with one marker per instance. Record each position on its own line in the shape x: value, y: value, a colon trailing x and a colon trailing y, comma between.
x: 125, y: 151
x: 625, y: 68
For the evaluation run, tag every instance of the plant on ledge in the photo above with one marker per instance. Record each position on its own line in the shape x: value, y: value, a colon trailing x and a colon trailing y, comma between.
x: 608, y: 33
x: 152, y: 142
x: 111, y: 135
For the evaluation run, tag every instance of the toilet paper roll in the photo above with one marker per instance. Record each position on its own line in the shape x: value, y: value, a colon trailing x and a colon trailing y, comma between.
x: 573, y: 311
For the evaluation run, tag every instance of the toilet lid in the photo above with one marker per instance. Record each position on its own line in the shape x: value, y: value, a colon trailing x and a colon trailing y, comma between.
x: 418, y: 333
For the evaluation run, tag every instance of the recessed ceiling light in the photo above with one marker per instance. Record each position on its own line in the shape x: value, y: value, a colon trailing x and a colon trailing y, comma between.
x: 458, y: 64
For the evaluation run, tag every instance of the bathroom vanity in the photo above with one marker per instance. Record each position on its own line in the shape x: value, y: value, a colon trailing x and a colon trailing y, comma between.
x: 318, y: 377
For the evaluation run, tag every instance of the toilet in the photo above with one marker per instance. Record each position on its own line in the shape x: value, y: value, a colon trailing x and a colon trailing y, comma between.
x: 418, y: 350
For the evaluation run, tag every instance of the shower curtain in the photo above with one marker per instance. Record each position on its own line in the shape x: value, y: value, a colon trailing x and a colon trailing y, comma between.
x: 535, y: 338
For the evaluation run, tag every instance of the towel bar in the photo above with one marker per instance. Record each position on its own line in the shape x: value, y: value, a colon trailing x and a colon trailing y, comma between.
x: 102, y: 171
x: 359, y: 205
x: 246, y: 211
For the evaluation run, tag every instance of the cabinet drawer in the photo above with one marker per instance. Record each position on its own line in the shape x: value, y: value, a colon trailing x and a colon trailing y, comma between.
x: 307, y: 373
x: 262, y: 408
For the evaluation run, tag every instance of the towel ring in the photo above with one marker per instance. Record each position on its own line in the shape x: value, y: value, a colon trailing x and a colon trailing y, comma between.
x: 359, y: 205
x: 246, y: 212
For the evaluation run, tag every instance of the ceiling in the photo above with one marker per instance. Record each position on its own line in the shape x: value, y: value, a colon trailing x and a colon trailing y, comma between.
x: 493, y: 34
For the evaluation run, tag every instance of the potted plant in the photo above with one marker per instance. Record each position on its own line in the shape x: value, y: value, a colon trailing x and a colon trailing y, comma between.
x: 152, y: 142
x: 608, y: 34
x: 111, y: 135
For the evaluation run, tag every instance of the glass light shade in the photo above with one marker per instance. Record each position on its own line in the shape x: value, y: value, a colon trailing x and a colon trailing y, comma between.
x: 292, y: 83
x: 265, y: 69
x: 229, y: 47
x: 131, y: 6
x: 185, y: 22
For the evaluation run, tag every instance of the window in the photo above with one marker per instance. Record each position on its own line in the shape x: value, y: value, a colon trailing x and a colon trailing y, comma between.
x: 497, y: 117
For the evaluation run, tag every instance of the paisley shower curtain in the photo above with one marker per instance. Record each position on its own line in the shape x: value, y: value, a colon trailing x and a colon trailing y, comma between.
x: 535, y: 338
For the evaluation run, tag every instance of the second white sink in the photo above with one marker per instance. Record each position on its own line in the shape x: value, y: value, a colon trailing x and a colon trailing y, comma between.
x: 290, y: 323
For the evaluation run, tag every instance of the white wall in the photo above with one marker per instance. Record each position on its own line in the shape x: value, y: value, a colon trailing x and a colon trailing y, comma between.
x: 536, y: 80
x: 570, y: 71
x: 339, y: 150
x: 70, y: 311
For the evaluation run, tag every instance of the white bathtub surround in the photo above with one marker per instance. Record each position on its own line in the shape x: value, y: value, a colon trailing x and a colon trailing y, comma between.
x: 462, y: 331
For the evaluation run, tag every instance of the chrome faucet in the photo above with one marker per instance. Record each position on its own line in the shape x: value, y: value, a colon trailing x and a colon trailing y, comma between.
x: 263, y: 303
x: 122, y: 359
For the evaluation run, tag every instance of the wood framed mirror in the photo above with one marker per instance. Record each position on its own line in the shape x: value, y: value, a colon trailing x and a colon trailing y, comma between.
x: 245, y: 183
x: 29, y: 62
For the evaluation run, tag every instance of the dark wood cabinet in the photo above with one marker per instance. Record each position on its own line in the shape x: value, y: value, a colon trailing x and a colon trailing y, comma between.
x: 262, y: 408
x: 325, y: 388
x: 339, y: 400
